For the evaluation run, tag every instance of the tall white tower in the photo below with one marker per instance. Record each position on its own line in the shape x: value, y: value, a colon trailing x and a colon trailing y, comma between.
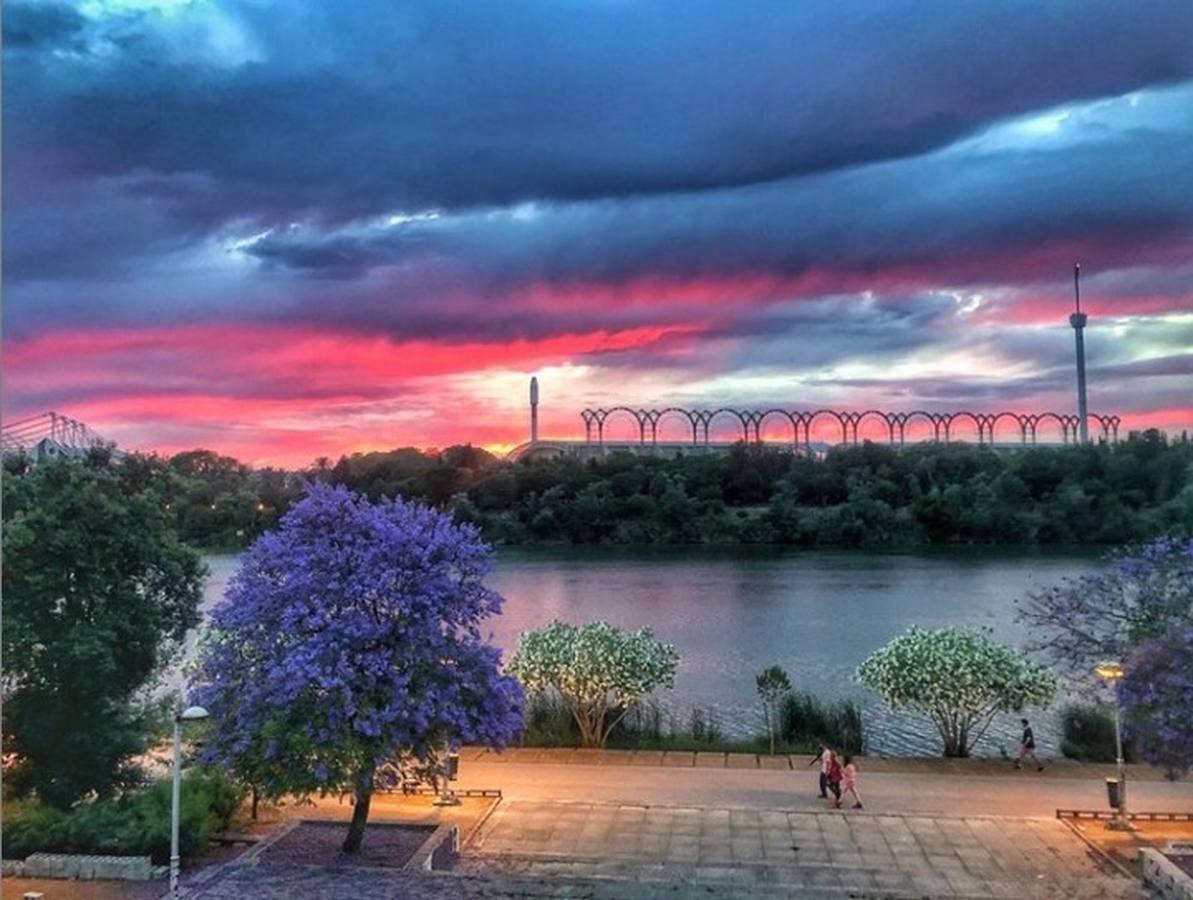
x: 1077, y: 320
x: 534, y: 410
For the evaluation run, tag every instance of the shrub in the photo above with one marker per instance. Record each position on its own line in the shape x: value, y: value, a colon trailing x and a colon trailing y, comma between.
x: 132, y: 825
x: 547, y: 722
x: 30, y: 826
x: 805, y: 720
x: 1088, y: 734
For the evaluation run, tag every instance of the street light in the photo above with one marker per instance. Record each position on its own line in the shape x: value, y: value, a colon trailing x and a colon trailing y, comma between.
x: 190, y: 714
x: 1111, y: 671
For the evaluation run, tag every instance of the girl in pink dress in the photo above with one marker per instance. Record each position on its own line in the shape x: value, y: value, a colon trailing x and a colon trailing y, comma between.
x: 849, y: 782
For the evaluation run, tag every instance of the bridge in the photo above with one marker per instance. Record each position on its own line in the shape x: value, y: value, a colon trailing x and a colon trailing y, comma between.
x: 999, y: 429
x: 47, y: 436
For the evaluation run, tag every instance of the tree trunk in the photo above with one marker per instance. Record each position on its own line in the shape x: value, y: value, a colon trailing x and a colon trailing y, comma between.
x: 360, y: 815
x: 256, y: 797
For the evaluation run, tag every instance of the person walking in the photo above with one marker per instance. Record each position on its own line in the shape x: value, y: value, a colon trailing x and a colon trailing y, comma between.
x: 1027, y: 747
x: 824, y: 757
x: 849, y: 782
x: 835, y: 774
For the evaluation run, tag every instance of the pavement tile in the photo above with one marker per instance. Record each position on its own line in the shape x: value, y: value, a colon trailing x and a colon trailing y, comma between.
x: 822, y: 878
x: 932, y: 885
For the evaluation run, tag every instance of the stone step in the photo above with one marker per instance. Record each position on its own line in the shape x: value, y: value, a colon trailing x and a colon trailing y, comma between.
x: 559, y: 881
x: 609, y: 877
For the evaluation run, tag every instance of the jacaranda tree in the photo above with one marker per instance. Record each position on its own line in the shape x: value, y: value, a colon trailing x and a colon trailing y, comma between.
x: 957, y: 677
x: 351, y: 637
x: 1145, y: 593
x: 1157, y: 691
x: 599, y: 671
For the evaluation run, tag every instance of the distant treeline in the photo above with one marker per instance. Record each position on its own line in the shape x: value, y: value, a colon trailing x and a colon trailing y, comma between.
x: 870, y: 495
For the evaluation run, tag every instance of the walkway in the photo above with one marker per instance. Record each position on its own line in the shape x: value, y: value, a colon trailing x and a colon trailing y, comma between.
x: 642, y: 832
x: 751, y: 853
x: 999, y: 790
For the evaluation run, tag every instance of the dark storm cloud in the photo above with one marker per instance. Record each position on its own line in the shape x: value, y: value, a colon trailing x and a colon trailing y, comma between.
x: 1005, y: 218
x: 342, y: 110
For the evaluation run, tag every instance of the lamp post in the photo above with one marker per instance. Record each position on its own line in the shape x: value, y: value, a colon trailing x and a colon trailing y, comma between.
x: 190, y: 714
x: 1110, y: 672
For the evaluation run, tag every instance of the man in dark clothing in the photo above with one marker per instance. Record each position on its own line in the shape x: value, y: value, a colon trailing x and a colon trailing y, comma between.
x: 1027, y: 747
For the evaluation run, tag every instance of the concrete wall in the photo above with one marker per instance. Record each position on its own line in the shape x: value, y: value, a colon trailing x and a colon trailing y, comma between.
x: 1164, y: 877
x: 84, y: 867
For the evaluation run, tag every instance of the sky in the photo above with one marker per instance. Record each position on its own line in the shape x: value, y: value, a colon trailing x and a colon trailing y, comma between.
x: 285, y: 230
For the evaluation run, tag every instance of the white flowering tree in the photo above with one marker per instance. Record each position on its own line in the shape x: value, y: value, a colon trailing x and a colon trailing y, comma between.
x: 599, y: 671
x: 959, y: 678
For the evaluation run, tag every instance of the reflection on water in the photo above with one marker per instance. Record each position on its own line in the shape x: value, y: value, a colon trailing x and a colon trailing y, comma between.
x: 733, y: 611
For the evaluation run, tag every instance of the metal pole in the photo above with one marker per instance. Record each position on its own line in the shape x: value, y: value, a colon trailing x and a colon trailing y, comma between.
x: 1123, y: 822
x: 1078, y: 320
x: 175, y: 806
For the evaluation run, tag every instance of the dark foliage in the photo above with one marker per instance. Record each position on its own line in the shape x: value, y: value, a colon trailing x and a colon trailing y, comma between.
x: 1088, y: 734
x: 872, y: 495
x: 97, y: 589
x: 805, y: 720
x: 133, y: 825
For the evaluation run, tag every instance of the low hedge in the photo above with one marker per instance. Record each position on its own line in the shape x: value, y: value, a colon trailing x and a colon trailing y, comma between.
x: 136, y: 824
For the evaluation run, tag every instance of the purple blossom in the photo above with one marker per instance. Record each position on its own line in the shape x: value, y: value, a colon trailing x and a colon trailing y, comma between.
x: 1146, y: 592
x: 1157, y: 692
x: 351, y: 634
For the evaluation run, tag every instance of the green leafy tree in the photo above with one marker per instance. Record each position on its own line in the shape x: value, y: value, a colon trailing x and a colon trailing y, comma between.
x: 957, y: 677
x: 97, y: 591
x: 772, y: 685
x: 599, y: 671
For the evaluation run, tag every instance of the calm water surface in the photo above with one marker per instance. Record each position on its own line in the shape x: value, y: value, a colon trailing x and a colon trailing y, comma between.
x: 734, y: 611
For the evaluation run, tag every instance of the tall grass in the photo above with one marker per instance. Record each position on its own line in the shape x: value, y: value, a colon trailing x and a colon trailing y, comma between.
x: 804, y: 721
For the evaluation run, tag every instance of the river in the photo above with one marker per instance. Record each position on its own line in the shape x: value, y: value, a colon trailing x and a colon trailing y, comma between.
x: 734, y: 611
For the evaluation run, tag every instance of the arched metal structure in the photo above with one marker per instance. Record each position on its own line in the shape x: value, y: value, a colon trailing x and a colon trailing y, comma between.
x: 50, y: 429
x: 944, y: 425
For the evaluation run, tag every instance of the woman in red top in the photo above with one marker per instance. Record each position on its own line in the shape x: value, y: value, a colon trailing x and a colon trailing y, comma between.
x: 835, y: 774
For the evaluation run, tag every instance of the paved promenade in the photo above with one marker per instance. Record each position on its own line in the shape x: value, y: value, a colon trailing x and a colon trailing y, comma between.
x: 739, y: 852
x: 590, y: 827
